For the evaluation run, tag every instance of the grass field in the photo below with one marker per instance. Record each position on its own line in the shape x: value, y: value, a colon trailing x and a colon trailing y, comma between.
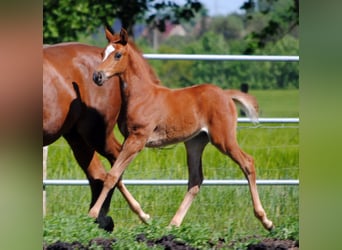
x: 218, y: 211
x: 278, y: 103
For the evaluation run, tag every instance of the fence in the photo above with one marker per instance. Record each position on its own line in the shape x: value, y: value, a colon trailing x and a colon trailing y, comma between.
x: 241, y: 120
x: 184, y: 182
x: 221, y: 57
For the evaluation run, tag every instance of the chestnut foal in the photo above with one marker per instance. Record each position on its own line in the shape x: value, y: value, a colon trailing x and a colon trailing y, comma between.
x: 154, y: 116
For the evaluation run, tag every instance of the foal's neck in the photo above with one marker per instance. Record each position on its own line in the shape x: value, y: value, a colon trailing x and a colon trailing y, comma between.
x: 137, y: 76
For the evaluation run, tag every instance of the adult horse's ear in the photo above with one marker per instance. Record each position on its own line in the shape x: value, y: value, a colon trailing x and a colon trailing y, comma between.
x: 123, y: 36
x: 109, y: 34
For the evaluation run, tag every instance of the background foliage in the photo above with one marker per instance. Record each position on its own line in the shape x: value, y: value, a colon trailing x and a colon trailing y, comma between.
x: 66, y: 20
x: 264, y: 27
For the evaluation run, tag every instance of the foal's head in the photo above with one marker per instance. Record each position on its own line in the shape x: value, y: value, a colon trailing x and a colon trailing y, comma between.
x: 115, y: 57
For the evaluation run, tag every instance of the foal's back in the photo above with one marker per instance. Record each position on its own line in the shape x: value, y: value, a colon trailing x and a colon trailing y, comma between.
x: 201, y: 100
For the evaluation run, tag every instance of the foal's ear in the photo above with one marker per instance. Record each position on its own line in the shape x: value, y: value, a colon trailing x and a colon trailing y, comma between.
x: 123, y: 36
x: 109, y: 34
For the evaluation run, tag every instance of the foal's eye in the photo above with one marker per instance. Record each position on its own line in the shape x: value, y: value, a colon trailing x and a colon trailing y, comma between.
x: 117, y: 55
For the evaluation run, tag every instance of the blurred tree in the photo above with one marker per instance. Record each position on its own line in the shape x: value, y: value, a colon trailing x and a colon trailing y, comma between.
x: 282, y: 19
x: 65, y: 20
x: 175, y: 73
x: 231, y: 27
x: 227, y: 74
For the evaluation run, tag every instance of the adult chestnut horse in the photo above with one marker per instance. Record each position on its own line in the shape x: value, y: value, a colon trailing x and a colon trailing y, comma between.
x: 85, y: 115
x: 155, y: 116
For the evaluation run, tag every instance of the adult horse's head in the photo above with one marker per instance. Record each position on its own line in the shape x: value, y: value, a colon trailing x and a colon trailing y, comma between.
x: 115, y: 57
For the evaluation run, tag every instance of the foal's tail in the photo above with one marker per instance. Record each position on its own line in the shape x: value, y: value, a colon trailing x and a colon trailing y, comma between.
x: 247, y: 102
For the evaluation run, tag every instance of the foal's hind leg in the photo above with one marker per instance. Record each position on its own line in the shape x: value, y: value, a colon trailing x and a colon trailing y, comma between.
x: 194, y: 149
x: 228, y: 145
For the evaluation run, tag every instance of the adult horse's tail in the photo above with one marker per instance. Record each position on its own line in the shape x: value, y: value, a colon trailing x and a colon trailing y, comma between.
x: 246, y: 101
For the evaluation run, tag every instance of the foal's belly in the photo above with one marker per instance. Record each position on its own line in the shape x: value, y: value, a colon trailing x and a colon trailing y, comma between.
x: 160, y: 142
x: 161, y: 138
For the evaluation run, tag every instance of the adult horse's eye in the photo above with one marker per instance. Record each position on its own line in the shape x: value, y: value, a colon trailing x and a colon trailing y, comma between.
x: 117, y: 55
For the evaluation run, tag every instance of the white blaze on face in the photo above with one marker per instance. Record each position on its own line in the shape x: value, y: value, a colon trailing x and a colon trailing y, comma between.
x: 110, y: 48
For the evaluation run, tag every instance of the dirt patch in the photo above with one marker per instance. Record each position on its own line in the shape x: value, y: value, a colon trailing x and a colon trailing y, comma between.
x: 106, y: 244
x: 169, y: 242
x: 275, y: 244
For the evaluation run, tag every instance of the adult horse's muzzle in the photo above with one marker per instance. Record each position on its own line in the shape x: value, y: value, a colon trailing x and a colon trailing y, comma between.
x: 99, y: 77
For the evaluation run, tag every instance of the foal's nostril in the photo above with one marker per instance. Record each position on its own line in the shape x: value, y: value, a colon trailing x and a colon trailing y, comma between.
x: 97, y: 78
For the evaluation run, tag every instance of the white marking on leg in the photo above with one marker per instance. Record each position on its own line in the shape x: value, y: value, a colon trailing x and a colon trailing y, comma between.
x: 110, y: 49
x: 205, y: 129
x: 133, y: 203
x: 184, y: 207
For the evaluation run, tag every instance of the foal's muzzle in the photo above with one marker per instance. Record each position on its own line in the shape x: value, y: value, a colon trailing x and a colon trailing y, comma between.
x: 99, y: 77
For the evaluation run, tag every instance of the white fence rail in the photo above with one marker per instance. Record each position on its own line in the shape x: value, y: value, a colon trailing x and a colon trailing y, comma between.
x: 221, y: 57
x: 271, y: 120
x: 174, y: 182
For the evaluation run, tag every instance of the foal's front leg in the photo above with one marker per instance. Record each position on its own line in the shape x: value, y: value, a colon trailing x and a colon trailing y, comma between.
x: 131, y: 147
x: 113, y: 148
x: 133, y: 203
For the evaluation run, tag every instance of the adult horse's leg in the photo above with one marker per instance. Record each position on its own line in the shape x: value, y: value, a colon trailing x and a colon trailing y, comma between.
x: 194, y: 149
x: 96, y: 174
x: 223, y: 136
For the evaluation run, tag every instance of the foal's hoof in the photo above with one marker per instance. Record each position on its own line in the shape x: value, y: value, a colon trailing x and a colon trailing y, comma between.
x: 269, y: 226
x: 146, y: 218
x: 106, y: 223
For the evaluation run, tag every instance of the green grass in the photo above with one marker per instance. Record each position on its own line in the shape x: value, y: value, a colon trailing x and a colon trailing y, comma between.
x: 218, y: 211
x: 278, y: 103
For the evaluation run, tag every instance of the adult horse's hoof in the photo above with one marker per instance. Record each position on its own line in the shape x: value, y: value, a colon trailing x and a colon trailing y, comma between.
x: 106, y: 223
